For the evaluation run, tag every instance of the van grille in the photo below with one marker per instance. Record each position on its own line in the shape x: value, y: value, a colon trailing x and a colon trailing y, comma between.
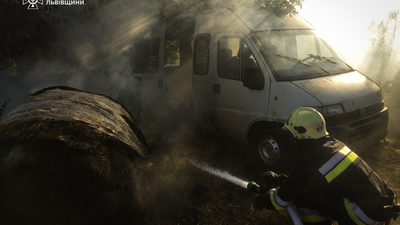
x: 365, y: 112
x: 359, y: 125
x: 355, y: 116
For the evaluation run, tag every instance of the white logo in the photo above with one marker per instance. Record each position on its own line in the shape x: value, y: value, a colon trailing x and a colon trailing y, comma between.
x: 65, y: 2
x: 32, y: 4
x: 319, y: 128
x: 363, y: 112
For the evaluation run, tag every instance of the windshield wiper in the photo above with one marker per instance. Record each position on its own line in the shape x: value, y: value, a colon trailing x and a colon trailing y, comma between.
x: 299, y: 61
x: 329, y: 59
x: 322, y: 58
x: 341, y: 61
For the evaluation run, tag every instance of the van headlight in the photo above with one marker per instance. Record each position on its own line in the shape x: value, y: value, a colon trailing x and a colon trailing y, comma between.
x: 330, y: 110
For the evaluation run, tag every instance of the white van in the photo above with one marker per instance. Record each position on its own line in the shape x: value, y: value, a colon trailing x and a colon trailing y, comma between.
x: 246, y: 70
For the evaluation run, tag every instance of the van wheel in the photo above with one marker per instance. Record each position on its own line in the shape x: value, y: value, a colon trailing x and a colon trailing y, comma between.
x: 269, y: 149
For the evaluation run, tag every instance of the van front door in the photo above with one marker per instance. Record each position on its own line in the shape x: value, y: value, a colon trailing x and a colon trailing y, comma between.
x: 240, y: 88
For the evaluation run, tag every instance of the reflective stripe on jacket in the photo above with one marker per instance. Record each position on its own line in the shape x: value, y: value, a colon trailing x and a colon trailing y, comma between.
x: 337, y: 164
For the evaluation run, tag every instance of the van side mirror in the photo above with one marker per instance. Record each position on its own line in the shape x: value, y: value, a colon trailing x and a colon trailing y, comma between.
x: 253, y: 78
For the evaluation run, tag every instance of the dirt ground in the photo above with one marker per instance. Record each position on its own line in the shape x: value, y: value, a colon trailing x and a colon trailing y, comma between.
x: 179, y: 193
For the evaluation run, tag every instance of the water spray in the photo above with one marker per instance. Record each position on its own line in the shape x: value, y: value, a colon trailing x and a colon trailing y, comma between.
x: 222, y: 174
x: 251, y: 186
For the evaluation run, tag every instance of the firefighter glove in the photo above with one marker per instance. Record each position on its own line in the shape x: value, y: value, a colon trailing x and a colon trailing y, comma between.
x: 270, y: 179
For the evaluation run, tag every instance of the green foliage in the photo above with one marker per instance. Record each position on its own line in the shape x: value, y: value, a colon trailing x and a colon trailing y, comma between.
x: 382, y: 43
x: 172, y: 55
x: 279, y: 7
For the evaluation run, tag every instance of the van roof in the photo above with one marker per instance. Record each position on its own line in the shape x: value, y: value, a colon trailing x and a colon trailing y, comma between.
x: 247, y: 19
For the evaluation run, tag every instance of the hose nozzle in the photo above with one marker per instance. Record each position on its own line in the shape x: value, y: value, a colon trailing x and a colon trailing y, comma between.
x: 253, y: 187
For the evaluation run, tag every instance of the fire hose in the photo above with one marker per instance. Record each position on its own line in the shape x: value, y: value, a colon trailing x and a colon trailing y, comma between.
x: 392, y: 211
x: 257, y: 189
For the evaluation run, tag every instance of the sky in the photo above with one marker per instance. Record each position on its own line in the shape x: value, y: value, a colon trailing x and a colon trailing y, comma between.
x: 344, y: 24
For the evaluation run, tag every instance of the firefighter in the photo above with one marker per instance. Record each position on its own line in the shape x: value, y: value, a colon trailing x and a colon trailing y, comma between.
x: 138, y: 65
x: 329, y: 182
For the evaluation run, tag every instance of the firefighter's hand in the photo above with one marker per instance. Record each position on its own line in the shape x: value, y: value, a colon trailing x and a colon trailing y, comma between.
x: 261, y: 201
x: 270, y: 179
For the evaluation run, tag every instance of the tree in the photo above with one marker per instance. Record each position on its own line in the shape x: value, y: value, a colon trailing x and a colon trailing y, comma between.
x: 382, y: 43
x: 279, y: 7
x: 33, y: 33
x: 28, y: 32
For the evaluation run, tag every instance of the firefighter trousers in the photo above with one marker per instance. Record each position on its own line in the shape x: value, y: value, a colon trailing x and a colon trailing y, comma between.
x: 324, y: 207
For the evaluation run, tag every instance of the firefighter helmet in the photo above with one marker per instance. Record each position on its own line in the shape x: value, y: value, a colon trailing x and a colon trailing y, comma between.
x: 306, y: 123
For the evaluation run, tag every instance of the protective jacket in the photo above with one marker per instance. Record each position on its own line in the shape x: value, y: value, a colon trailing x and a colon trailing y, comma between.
x: 327, y: 165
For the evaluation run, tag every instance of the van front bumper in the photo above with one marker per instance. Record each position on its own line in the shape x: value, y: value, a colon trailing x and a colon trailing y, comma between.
x: 362, y: 128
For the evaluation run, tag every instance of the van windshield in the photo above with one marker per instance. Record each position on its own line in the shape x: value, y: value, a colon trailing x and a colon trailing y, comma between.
x: 298, y: 55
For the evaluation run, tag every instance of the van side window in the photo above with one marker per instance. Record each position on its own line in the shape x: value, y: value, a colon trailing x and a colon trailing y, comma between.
x: 247, y: 58
x: 172, y: 53
x: 251, y: 73
x: 235, y: 61
x: 228, y: 65
x: 201, y: 54
x: 152, y: 56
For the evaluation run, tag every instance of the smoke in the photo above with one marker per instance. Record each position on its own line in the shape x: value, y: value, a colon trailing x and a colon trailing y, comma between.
x: 372, y: 67
x: 167, y: 184
x: 92, y: 53
x: 15, y: 156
